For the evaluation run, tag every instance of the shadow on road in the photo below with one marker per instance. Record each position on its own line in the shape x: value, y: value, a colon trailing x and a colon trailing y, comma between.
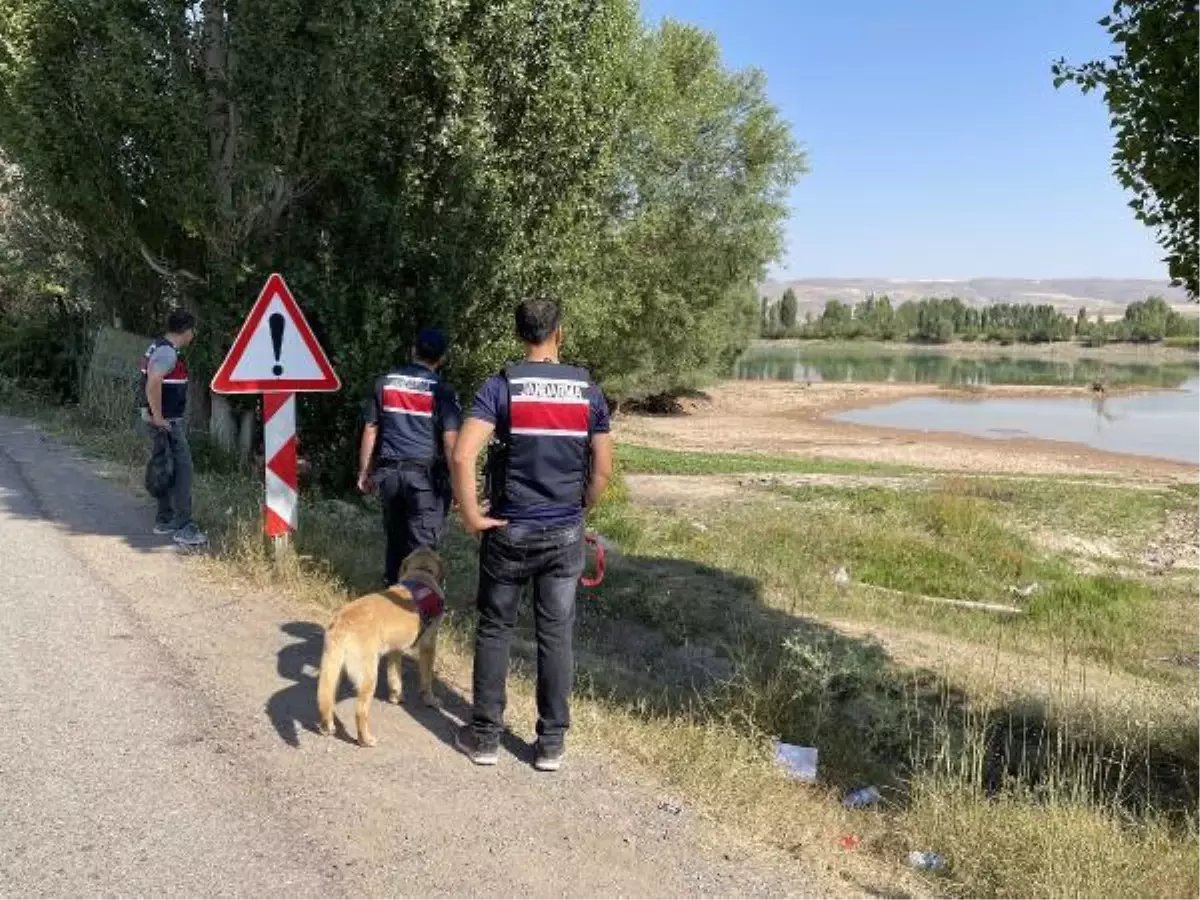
x: 294, y: 708
x: 42, y: 479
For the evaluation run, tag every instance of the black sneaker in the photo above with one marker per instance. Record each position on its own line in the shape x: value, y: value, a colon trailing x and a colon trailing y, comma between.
x: 190, y: 536
x: 164, y: 526
x: 481, y: 754
x: 549, y: 759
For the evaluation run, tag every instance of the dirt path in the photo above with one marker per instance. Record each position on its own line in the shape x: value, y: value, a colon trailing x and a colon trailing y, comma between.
x: 773, y: 417
x: 156, y: 743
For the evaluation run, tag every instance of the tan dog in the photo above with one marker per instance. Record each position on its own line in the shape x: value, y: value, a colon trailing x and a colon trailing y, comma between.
x: 407, y: 614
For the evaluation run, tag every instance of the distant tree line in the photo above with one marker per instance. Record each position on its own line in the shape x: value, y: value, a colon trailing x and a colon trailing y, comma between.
x: 941, y: 320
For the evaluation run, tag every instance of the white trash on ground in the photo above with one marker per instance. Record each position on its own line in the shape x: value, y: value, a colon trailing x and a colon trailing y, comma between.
x: 927, y: 861
x: 800, y: 762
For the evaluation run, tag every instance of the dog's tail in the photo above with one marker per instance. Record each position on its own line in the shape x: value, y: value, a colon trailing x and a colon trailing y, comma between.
x: 332, y: 658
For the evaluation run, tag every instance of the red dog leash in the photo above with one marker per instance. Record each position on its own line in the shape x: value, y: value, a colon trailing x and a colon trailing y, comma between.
x: 597, y: 577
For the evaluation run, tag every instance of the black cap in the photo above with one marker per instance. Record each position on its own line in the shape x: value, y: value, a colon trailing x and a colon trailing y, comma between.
x: 430, y: 345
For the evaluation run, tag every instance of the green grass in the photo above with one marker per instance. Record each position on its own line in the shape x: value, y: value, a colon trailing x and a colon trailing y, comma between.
x: 638, y: 460
x: 1183, y: 342
x: 1084, y: 507
x: 940, y: 543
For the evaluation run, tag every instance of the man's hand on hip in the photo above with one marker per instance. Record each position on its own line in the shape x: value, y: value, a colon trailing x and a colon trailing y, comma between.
x: 478, y: 523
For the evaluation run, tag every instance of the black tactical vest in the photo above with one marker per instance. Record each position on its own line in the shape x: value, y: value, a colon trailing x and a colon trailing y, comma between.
x: 543, y: 450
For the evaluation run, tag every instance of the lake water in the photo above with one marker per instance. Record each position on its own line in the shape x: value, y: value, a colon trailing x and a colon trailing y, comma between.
x: 1163, y: 422
x: 818, y: 362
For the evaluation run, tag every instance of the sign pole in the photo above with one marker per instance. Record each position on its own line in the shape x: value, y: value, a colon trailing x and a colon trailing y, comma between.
x: 276, y: 354
x: 279, y: 445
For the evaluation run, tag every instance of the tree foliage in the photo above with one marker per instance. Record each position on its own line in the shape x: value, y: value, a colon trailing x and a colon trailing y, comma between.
x: 43, y: 325
x: 1150, y: 86
x: 404, y: 162
x: 1152, y: 320
x: 940, y: 320
x: 787, y: 309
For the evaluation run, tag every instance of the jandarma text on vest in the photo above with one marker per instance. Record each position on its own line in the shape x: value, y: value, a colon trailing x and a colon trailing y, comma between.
x: 550, y: 389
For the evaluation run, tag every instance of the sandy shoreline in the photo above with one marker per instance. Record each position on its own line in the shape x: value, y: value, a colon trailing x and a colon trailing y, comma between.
x: 780, y: 417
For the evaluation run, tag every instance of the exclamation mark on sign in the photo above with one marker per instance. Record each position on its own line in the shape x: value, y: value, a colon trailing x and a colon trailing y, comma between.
x: 275, y: 322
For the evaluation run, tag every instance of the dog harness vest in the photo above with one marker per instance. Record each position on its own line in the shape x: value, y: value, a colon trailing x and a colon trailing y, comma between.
x: 410, y: 421
x: 542, y: 451
x: 174, y: 386
x: 429, y: 601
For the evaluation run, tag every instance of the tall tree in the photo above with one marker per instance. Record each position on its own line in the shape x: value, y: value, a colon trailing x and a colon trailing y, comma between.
x: 1150, y: 85
x: 695, y: 212
x: 787, y: 309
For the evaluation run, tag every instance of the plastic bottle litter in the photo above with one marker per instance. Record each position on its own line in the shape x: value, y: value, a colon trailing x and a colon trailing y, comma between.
x: 862, y: 798
x: 800, y: 762
x: 927, y: 861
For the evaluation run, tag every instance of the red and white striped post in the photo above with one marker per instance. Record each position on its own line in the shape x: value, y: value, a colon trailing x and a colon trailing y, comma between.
x: 279, y: 449
x: 276, y: 354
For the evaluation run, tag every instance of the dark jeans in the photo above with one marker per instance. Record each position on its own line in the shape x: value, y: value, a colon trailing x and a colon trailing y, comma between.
x: 414, y: 511
x: 510, y: 557
x: 175, y: 507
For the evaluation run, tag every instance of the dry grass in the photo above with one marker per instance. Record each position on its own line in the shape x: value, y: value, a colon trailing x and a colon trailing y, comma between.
x: 1019, y: 845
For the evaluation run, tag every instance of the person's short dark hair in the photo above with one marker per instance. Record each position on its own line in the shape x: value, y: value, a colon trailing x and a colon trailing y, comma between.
x: 430, y: 345
x: 537, y: 319
x: 179, y: 321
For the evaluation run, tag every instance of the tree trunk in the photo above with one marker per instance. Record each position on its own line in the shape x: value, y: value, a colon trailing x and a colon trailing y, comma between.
x: 222, y: 145
x: 233, y: 431
x: 246, y: 435
x: 222, y: 132
x: 222, y: 424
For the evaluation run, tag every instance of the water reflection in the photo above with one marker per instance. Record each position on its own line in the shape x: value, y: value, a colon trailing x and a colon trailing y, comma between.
x: 1162, y: 423
x: 818, y: 364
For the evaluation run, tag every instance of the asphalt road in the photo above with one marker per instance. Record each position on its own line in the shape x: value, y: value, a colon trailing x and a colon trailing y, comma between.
x: 155, y: 743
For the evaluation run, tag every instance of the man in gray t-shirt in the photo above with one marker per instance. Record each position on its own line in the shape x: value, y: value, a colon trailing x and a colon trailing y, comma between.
x: 162, y: 405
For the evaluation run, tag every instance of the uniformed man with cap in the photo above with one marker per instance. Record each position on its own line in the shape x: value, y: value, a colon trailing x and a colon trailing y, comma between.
x: 551, y: 459
x: 162, y: 408
x: 411, y: 423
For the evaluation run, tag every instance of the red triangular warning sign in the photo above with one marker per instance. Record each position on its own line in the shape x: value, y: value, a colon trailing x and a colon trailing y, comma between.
x: 275, y: 350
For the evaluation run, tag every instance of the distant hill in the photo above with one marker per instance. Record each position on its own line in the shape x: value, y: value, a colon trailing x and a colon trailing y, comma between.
x: 1099, y: 295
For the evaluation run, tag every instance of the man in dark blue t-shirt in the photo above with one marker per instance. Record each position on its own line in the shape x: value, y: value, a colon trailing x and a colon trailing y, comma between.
x: 550, y: 460
x: 411, y: 423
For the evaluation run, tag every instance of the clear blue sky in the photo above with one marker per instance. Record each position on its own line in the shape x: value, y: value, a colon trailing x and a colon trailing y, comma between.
x: 937, y: 144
